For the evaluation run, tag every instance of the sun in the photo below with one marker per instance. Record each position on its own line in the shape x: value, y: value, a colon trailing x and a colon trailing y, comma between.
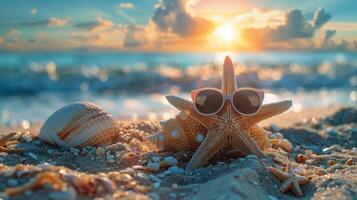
x: 225, y: 33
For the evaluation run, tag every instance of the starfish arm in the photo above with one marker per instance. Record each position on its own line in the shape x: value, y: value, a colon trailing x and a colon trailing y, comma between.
x: 290, y: 169
x: 296, y: 189
x: 281, y: 175
x: 229, y: 85
x: 187, y: 107
x: 245, y: 143
x: 210, y: 146
x: 286, y: 185
x: 302, y: 180
x: 258, y: 134
x: 6, y: 138
x: 268, y: 111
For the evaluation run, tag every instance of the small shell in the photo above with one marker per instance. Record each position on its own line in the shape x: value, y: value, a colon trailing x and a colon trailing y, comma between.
x: 179, y: 133
x: 78, y: 125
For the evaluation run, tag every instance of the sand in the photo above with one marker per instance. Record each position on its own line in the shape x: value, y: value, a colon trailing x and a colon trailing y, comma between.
x: 327, y: 141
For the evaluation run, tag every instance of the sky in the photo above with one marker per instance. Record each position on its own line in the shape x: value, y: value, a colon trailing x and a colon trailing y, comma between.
x: 178, y: 25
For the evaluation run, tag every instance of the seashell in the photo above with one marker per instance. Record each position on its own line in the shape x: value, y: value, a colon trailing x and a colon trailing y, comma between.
x: 282, y: 143
x: 37, y: 182
x: 78, y: 125
x: 179, y: 133
x: 129, y: 159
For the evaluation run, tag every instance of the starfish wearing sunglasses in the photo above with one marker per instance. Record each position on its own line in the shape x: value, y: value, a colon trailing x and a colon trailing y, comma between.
x: 230, y: 115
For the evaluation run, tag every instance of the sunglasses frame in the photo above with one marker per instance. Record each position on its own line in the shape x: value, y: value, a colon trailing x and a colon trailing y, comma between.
x: 260, y: 93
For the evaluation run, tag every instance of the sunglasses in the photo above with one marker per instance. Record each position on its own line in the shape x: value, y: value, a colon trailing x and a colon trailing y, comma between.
x: 209, y: 101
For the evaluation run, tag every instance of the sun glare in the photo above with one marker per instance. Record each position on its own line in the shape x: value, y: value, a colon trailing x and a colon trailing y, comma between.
x: 225, y: 33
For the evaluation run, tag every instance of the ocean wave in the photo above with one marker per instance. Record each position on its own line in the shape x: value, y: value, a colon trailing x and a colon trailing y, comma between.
x: 47, y: 77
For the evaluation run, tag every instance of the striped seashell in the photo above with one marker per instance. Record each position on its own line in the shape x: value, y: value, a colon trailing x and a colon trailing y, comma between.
x: 179, y: 133
x: 78, y: 125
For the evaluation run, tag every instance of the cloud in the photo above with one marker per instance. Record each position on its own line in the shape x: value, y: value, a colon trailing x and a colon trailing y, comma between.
x: 133, y: 37
x: 10, y: 39
x: 33, y: 11
x: 172, y: 16
x: 341, y: 26
x: 50, y: 22
x: 295, y: 27
x: 98, y: 24
x: 12, y: 33
x: 320, y: 18
x: 329, y: 34
x: 2, y: 41
x: 126, y: 5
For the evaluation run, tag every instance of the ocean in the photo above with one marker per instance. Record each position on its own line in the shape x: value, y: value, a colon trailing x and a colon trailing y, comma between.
x: 134, y: 85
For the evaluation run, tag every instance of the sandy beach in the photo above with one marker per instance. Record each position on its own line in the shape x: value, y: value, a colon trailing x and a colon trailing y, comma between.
x: 324, y: 149
x: 178, y: 100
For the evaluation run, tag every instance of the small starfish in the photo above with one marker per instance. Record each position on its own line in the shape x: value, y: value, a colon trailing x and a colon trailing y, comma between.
x: 292, y: 181
x: 227, y: 128
x: 8, y: 140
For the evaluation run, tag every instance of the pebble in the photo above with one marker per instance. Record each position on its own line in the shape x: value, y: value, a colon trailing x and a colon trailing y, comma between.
x: 110, y: 157
x: 182, y: 194
x: 349, y: 162
x: 142, y: 175
x: 33, y: 156
x: 334, y: 147
x: 173, y: 195
x: 167, y: 172
x: 111, y: 162
x: 275, y: 127
x: 153, y: 166
x: 126, y: 178
x: 37, y: 142
x: 354, y: 150
x: 331, y: 162
x: 171, y: 161
x: 44, y: 166
x: 12, y: 182
x: 301, y: 158
x: 154, y: 196
x: 100, y: 151
x: 156, y: 185
x: 297, y: 148
x: 155, y: 159
x: 331, y: 132
x: 28, y: 193
x: 176, y: 170
x: 70, y: 194
x: 251, y: 156
x: 314, y: 148
x: 154, y: 178
x: 272, y: 197
x: 161, y: 175
x: 50, y: 151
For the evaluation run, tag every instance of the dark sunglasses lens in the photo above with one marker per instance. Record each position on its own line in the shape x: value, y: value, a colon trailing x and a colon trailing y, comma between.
x: 208, y: 101
x: 246, y: 101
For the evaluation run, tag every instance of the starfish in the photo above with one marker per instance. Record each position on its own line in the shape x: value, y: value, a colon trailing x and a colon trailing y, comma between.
x: 8, y: 140
x: 227, y: 128
x: 292, y: 181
